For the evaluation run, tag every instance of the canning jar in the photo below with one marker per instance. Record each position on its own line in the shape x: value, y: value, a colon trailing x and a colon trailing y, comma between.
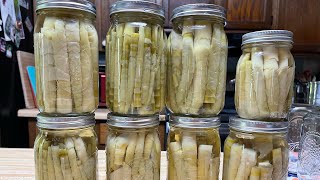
x: 66, y: 148
x: 66, y: 57
x: 136, y: 59
x: 193, y: 148
x: 255, y: 150
x: 265, y: 74
x: 133, y: 148
x: 295, y: 119
x: 197, y: 62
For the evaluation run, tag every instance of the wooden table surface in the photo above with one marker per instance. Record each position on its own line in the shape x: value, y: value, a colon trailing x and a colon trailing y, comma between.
x: 18, y: 164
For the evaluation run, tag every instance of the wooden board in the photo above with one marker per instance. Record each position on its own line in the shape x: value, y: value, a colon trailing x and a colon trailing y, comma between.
x: 26, y: 59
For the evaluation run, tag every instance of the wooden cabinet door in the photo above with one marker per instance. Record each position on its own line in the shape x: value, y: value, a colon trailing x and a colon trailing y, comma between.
x: 303, y: 19
x: 103, y: 20
x: 249, y: 14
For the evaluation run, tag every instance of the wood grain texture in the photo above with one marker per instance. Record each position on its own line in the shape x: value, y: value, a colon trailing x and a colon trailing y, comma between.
x: 303, y: 19
x: 26, y: 59
x: 17, y: 164
x: 249, y: 14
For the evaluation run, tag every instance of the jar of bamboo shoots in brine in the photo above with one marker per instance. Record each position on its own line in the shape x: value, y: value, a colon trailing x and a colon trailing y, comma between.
x: 256, y: 150
x: 197, y: 62
x: 193, y: 148
x: 136, y: 59
x: 133, y: 148
x: 66, y: 148
x: 265, y: 75
x: 66, y: 57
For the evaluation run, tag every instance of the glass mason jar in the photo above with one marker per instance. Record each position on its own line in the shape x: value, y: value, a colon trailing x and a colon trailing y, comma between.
x: 197, y: 62
x: 256, y: 149
x: 136, y: 59
x: 308, y: 163
x: 66, y: 57
x: 193, y: 148
x: 133, y: 148
x: 295, y: 119
x: 265, y: 74
x: 66, y: 148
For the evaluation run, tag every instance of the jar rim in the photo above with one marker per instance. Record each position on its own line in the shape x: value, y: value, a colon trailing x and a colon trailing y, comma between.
x: 195, y: 122
x: 66, y: 122
x: 137, y: 6
x: 247, y: 125
x: 267, y: 36
x: 132, y: 122
x: 199, y: 9
x: 82, y: 5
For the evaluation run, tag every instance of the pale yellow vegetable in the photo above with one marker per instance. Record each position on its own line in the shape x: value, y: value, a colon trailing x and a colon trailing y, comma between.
x: 73, y: 44
x: 271, y: 78
x: 56, y: 162
x: 88, y: 101
x: 137, y: 102
x: 130, y: 149
x: 201, y: 53
x: 255, y: 173
x: 234, y: 162
x: 190, y: 151
x: 122, y: 142
x: 265, y: 170
x: 60, y: 55
x: 259, y: 82
x: 250, y: 94
x: 51, y: 173
x: 132, y: 69
x: 277, y: 164
x: 204, y: 158
x: 241, y: 87
x: 248, y: 160
x: 175, y: 149
x: 227, y: 151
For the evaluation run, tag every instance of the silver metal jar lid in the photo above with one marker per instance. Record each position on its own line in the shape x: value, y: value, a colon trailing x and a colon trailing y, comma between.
x: 82, y: 5
x: 246, y: 125
x: 132, y: 122
x: 268, y: 36
x: 193, y: 122
x: 61, y: 123
x: 200, y: 9
x: 137, y: 6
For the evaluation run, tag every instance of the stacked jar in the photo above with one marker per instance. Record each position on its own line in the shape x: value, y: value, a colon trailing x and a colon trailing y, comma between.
x: 66, y: 59
x: 257, y: 145
x: 197, y: 66
x: 136, y: 63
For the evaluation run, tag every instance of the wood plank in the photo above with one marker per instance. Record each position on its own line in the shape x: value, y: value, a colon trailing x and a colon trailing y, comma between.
x: 26, y: 59
x: 303, y: 19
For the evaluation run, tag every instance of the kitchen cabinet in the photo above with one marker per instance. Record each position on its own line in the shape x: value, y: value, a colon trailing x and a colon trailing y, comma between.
x: 241, y: 14
x: 248, y: 14
x: 303, y: 19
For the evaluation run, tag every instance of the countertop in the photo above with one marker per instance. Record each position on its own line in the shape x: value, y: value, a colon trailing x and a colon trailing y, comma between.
x: 18, y: 164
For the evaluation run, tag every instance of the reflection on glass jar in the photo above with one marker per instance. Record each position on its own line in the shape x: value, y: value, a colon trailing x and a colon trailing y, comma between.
x: 136, y: 59
x: 265, y: 74
x: 66, y: 148
x: 197, y: 63
x: 66, y: 57
x: 309, y: 163
x: 193, y: 148
x: 255, y: 150
x: 133, y: 148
